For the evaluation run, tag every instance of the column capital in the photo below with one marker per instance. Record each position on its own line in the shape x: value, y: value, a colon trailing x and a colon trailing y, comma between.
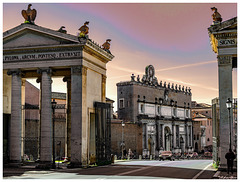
x: 23, y: 82
x: 104, y: 77
x: 81, y: 70
x: 39, y: 79
x: 84, y: 70
x: 47, y: 70
x: 224, y: 60
x: 14, y: 72
x: 67, y: 79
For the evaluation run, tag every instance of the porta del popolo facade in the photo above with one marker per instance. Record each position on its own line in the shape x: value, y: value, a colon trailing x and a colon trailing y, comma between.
x: 162, y: 110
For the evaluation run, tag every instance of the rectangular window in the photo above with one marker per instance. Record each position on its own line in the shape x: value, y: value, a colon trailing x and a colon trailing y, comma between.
x: 142, y: 108
x: 121, y: 103
x: 151, y: 129
x: 158, y: 109
x: 186, y: 113
x: 175, y: 112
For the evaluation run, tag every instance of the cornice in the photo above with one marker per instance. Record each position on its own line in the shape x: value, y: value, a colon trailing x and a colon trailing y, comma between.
x: 89, y: 45
x: 223, y: 25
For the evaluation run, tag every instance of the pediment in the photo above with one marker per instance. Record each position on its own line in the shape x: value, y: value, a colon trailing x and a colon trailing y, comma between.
x: 33, y: 36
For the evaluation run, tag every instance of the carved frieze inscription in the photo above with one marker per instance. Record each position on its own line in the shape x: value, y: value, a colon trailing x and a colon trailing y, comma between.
x: 41, y: 56
x: 222, y: 60
x: 226, y: 42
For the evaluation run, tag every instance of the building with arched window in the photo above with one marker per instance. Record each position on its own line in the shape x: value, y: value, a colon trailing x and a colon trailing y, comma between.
x: 162, y: 110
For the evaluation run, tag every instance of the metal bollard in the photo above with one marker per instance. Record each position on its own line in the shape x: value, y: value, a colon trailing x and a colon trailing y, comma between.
x: 140, y: 157
x: 150, y: 157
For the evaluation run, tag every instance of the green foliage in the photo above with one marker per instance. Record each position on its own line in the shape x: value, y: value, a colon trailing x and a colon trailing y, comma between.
x: 216, y: 164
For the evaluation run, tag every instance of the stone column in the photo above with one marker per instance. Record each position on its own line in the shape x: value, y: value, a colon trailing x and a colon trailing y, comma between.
x: 146, y: 139
x: 68, y: 122
x: 177, y: 136
x: 144, y: 136
x: 225, y: 92
x: 40, y: 104
x: 157, y: 138
x: 46, y: 116
x: 173, y: 135
x: 104, y: 88
x: 190, y: 135
x: 85, y: 119
x: 23, y: 116
x: 78, y: 115
x: 16, y: 118
x: 186, y: 136
x: 161, y: 136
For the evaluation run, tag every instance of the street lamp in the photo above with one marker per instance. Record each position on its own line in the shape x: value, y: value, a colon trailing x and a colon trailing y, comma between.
x: 229, y: 106
x: 122, y: 137
x: 54, y: 103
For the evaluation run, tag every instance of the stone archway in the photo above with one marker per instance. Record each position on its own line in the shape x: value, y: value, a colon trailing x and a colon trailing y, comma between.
x: 167, y: 138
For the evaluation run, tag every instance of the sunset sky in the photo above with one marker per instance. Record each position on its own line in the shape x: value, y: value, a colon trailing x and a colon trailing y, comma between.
x: 172, y: 37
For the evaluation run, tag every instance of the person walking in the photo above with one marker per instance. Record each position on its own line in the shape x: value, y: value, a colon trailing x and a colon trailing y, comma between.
x: 230, y: 156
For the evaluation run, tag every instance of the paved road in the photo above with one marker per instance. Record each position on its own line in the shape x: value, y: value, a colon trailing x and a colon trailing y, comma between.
x: 185, y: 169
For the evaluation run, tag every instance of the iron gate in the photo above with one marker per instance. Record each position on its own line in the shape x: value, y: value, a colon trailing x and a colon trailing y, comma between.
x: 103, y: 132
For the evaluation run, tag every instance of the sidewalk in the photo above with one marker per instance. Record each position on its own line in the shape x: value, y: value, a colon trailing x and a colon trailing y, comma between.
x: 224, y: 175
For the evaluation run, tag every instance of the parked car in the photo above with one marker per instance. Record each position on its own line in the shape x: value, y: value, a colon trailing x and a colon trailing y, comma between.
x: 195, y: 155
x: 189, y: 155
x: 166, y: 155
x: 207, y: 154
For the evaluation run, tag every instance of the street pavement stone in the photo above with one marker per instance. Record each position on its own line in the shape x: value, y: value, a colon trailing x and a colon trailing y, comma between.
x: 120, y: 170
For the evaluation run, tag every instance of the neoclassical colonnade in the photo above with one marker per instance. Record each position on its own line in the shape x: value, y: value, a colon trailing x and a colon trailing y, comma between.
x: 83, y: 66
x: 166, y: 136
x: 76, y: 113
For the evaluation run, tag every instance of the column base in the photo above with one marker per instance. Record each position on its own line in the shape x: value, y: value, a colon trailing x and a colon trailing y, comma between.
x: 74, y: 165
x: 44, y: 165
x: 14, y: 164
x: 85, y: 164
x: 222, y: 167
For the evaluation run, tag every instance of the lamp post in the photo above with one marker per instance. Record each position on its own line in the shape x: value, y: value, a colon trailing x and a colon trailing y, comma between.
x: 54, y: 103
x: 122, y: 137
x: 229, y: 106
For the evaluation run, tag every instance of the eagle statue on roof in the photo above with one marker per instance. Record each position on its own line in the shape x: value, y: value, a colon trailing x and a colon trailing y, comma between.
x: 29, y: 14
x: 216, y: 15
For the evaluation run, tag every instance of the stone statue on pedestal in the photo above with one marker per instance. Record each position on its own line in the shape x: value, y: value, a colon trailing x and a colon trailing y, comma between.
x: 84, y: 30
x: 216, y: 16
x: 29, y: 15
x: 106, y: 45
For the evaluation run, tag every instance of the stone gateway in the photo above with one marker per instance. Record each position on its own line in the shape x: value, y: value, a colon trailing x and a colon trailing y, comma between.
x: 162, y: 111
x: 32, y: 51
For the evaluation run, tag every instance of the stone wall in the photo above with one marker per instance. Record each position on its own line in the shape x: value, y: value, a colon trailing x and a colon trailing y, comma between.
x: 197, y: 136
x: 132, y: 138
